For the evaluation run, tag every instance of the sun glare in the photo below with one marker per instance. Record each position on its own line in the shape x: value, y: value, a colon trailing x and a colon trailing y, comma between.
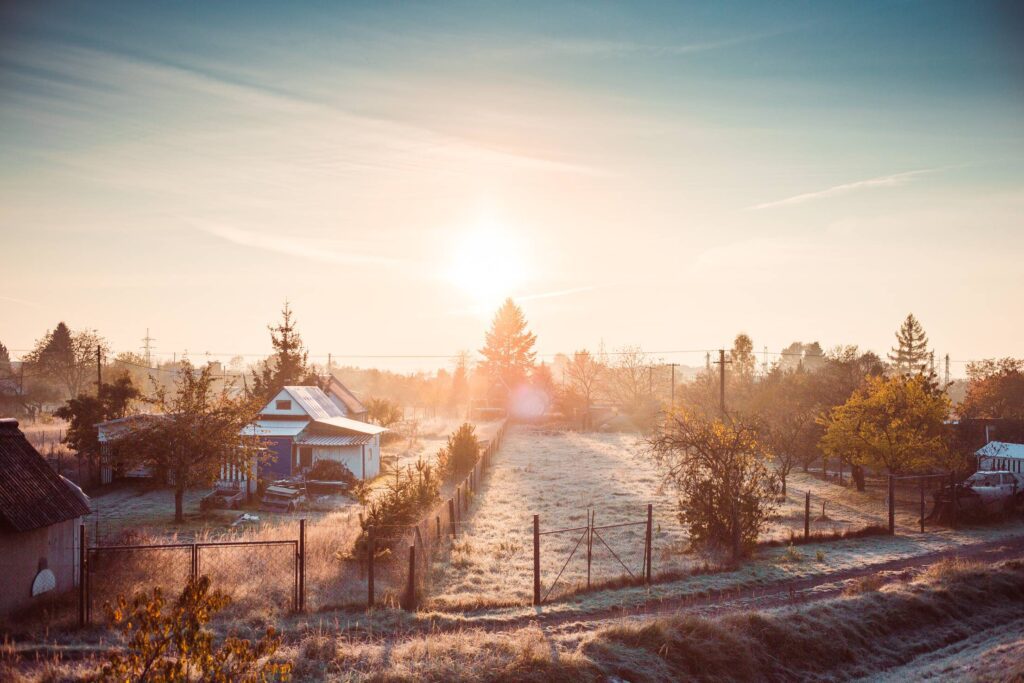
x: 487, y: 265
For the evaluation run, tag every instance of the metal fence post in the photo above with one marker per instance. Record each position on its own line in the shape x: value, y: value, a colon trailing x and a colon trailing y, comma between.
x: 922, y: 505
x: 370, y: 552
x: 590, y: 543
x: 892, y: 505
x: 411, y: 599
x: 536, y: 559
x: 438, y: 519
x: 302, y: 565
x: 807, y: 516
x: 194, y: 568
x: 82, y: 573
x: 451, y: 516
x: 953, y: 495
x: 650, y: 519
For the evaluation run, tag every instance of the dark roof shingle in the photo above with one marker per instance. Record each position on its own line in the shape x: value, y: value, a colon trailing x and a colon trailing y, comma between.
x: 32, y: 495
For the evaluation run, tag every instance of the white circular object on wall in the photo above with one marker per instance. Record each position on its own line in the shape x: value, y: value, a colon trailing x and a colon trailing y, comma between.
x: 44, y: 581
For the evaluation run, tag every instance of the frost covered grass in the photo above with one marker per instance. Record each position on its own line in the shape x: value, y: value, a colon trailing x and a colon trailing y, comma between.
x: 560, y: 477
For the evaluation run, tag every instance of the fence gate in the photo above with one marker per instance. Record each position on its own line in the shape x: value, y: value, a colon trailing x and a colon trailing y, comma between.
x: 593, y: 542
x: 250, y: 572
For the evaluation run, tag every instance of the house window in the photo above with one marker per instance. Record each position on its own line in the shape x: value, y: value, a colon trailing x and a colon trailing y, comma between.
x: 283, y: 405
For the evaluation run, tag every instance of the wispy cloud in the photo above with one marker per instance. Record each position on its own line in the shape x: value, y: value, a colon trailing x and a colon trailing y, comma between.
x: 23, y: 302
x: 323, y: 251
x: 893, y: 180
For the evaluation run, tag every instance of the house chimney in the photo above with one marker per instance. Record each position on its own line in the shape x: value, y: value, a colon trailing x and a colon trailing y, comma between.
x: 988, y: 435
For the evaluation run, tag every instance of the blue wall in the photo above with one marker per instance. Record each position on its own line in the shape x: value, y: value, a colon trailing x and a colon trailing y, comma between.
x: 281, y: 448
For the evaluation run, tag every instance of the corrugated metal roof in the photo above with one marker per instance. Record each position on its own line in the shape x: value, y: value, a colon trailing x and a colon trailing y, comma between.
x: 32, y: 495
x: 353, y: 404
x: 1002, y: 449
x: 315, y: 402
x: 351, y: 425
x: 334, y: 439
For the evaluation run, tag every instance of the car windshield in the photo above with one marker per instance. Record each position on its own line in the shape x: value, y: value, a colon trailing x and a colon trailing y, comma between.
x: 979, y: 479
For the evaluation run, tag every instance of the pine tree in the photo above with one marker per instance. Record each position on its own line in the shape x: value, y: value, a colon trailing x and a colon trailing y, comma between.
x: 910, y: 355
x: 5, y: 360
x: 289, y: 364
x: 508, y: 347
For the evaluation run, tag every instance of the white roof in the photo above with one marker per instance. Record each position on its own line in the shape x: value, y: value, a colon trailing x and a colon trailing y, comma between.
x: 315, y: 402
x: 276, y: 427
x: 1001, y: 449
x: 352, y: 425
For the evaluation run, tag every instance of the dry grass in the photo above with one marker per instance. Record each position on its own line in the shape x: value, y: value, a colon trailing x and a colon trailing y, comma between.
x: 851, y: 637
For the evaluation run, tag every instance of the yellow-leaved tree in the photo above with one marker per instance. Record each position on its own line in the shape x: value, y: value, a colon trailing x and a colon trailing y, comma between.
x: 896, y: 424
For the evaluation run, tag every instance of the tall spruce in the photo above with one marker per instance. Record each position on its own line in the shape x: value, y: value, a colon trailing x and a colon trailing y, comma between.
x: 508, y: 347
x: 910, y: 355
x: 288, y: 365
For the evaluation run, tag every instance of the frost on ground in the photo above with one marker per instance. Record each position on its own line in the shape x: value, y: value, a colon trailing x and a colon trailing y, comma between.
x: 560, y: 477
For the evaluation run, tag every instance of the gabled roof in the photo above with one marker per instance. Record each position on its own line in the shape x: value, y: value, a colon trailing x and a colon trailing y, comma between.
x: 32, y: 495
x: 352, y: 404
x: 315, y: 402
x: 1002, y: 449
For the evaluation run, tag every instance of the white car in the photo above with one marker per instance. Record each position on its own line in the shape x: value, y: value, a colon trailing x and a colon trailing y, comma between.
x: 997, y: 490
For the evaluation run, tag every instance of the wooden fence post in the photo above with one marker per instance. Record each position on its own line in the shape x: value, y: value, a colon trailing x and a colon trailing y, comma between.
x: 411, y: 590
x: 807, y: 516
x: 892, y: 505
x: 302, y: 565
x: 536, y: 559
x: 438, y: 519
x: 83, y: 555
x: 371, y: 550
x: 194, y: 568
x: 451, y: 516
x: 650, y: 518
x: 458, y: 499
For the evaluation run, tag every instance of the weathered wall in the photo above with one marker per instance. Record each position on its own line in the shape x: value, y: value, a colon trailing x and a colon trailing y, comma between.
x: 20, y: 555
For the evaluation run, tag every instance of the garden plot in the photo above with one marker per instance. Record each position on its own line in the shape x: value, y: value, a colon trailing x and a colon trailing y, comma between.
x: 560, y: 477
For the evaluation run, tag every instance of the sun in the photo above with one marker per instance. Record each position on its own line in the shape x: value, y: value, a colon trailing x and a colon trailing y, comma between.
x: 487, y: 264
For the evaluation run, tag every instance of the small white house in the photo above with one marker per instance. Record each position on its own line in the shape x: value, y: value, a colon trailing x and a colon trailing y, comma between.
x: 303, y: 425
x: 1001, y: 455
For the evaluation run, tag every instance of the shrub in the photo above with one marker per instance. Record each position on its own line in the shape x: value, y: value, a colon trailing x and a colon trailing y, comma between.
x: 461, y: 453
x: 400, y: 505
x: 331, y: 470
x: 173, y: 645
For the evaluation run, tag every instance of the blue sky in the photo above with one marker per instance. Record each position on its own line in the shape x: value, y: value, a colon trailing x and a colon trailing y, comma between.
x: 661, y: 174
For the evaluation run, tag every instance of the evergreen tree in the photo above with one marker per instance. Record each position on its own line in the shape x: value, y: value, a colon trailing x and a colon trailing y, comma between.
x: 910, y: 355
x: 508, y: 347
x: 5, y: 361
x: 460, y: 383
x: 288, y: 366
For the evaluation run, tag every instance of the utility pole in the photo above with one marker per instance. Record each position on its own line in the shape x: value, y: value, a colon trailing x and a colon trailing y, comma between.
x: 99, y: 369
x: 328, y: 363
x: 721, y: 379
x: 650, y: 380
x: 707, y: 361
x: 947, y: 370
x: 673, y: 367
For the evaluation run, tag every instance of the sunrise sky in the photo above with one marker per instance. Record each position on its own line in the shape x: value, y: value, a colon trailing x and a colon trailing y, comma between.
x: 653, y: 174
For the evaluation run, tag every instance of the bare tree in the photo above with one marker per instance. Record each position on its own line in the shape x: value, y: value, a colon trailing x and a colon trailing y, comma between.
x: 627, y: 381
x: 581, y: 376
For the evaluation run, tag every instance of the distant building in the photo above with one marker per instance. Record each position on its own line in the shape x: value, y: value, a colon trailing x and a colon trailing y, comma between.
x: 303, y: 425
x: 40, y: 512
x: 1000, y: 455
x: 351, y: 407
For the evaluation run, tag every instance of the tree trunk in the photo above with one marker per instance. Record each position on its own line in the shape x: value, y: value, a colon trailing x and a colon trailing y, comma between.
x: 179, y: 513
x: 857, y: 472
x: 783, y: 477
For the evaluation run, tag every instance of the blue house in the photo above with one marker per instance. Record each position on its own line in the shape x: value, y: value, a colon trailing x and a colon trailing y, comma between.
x: 303, y: 425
